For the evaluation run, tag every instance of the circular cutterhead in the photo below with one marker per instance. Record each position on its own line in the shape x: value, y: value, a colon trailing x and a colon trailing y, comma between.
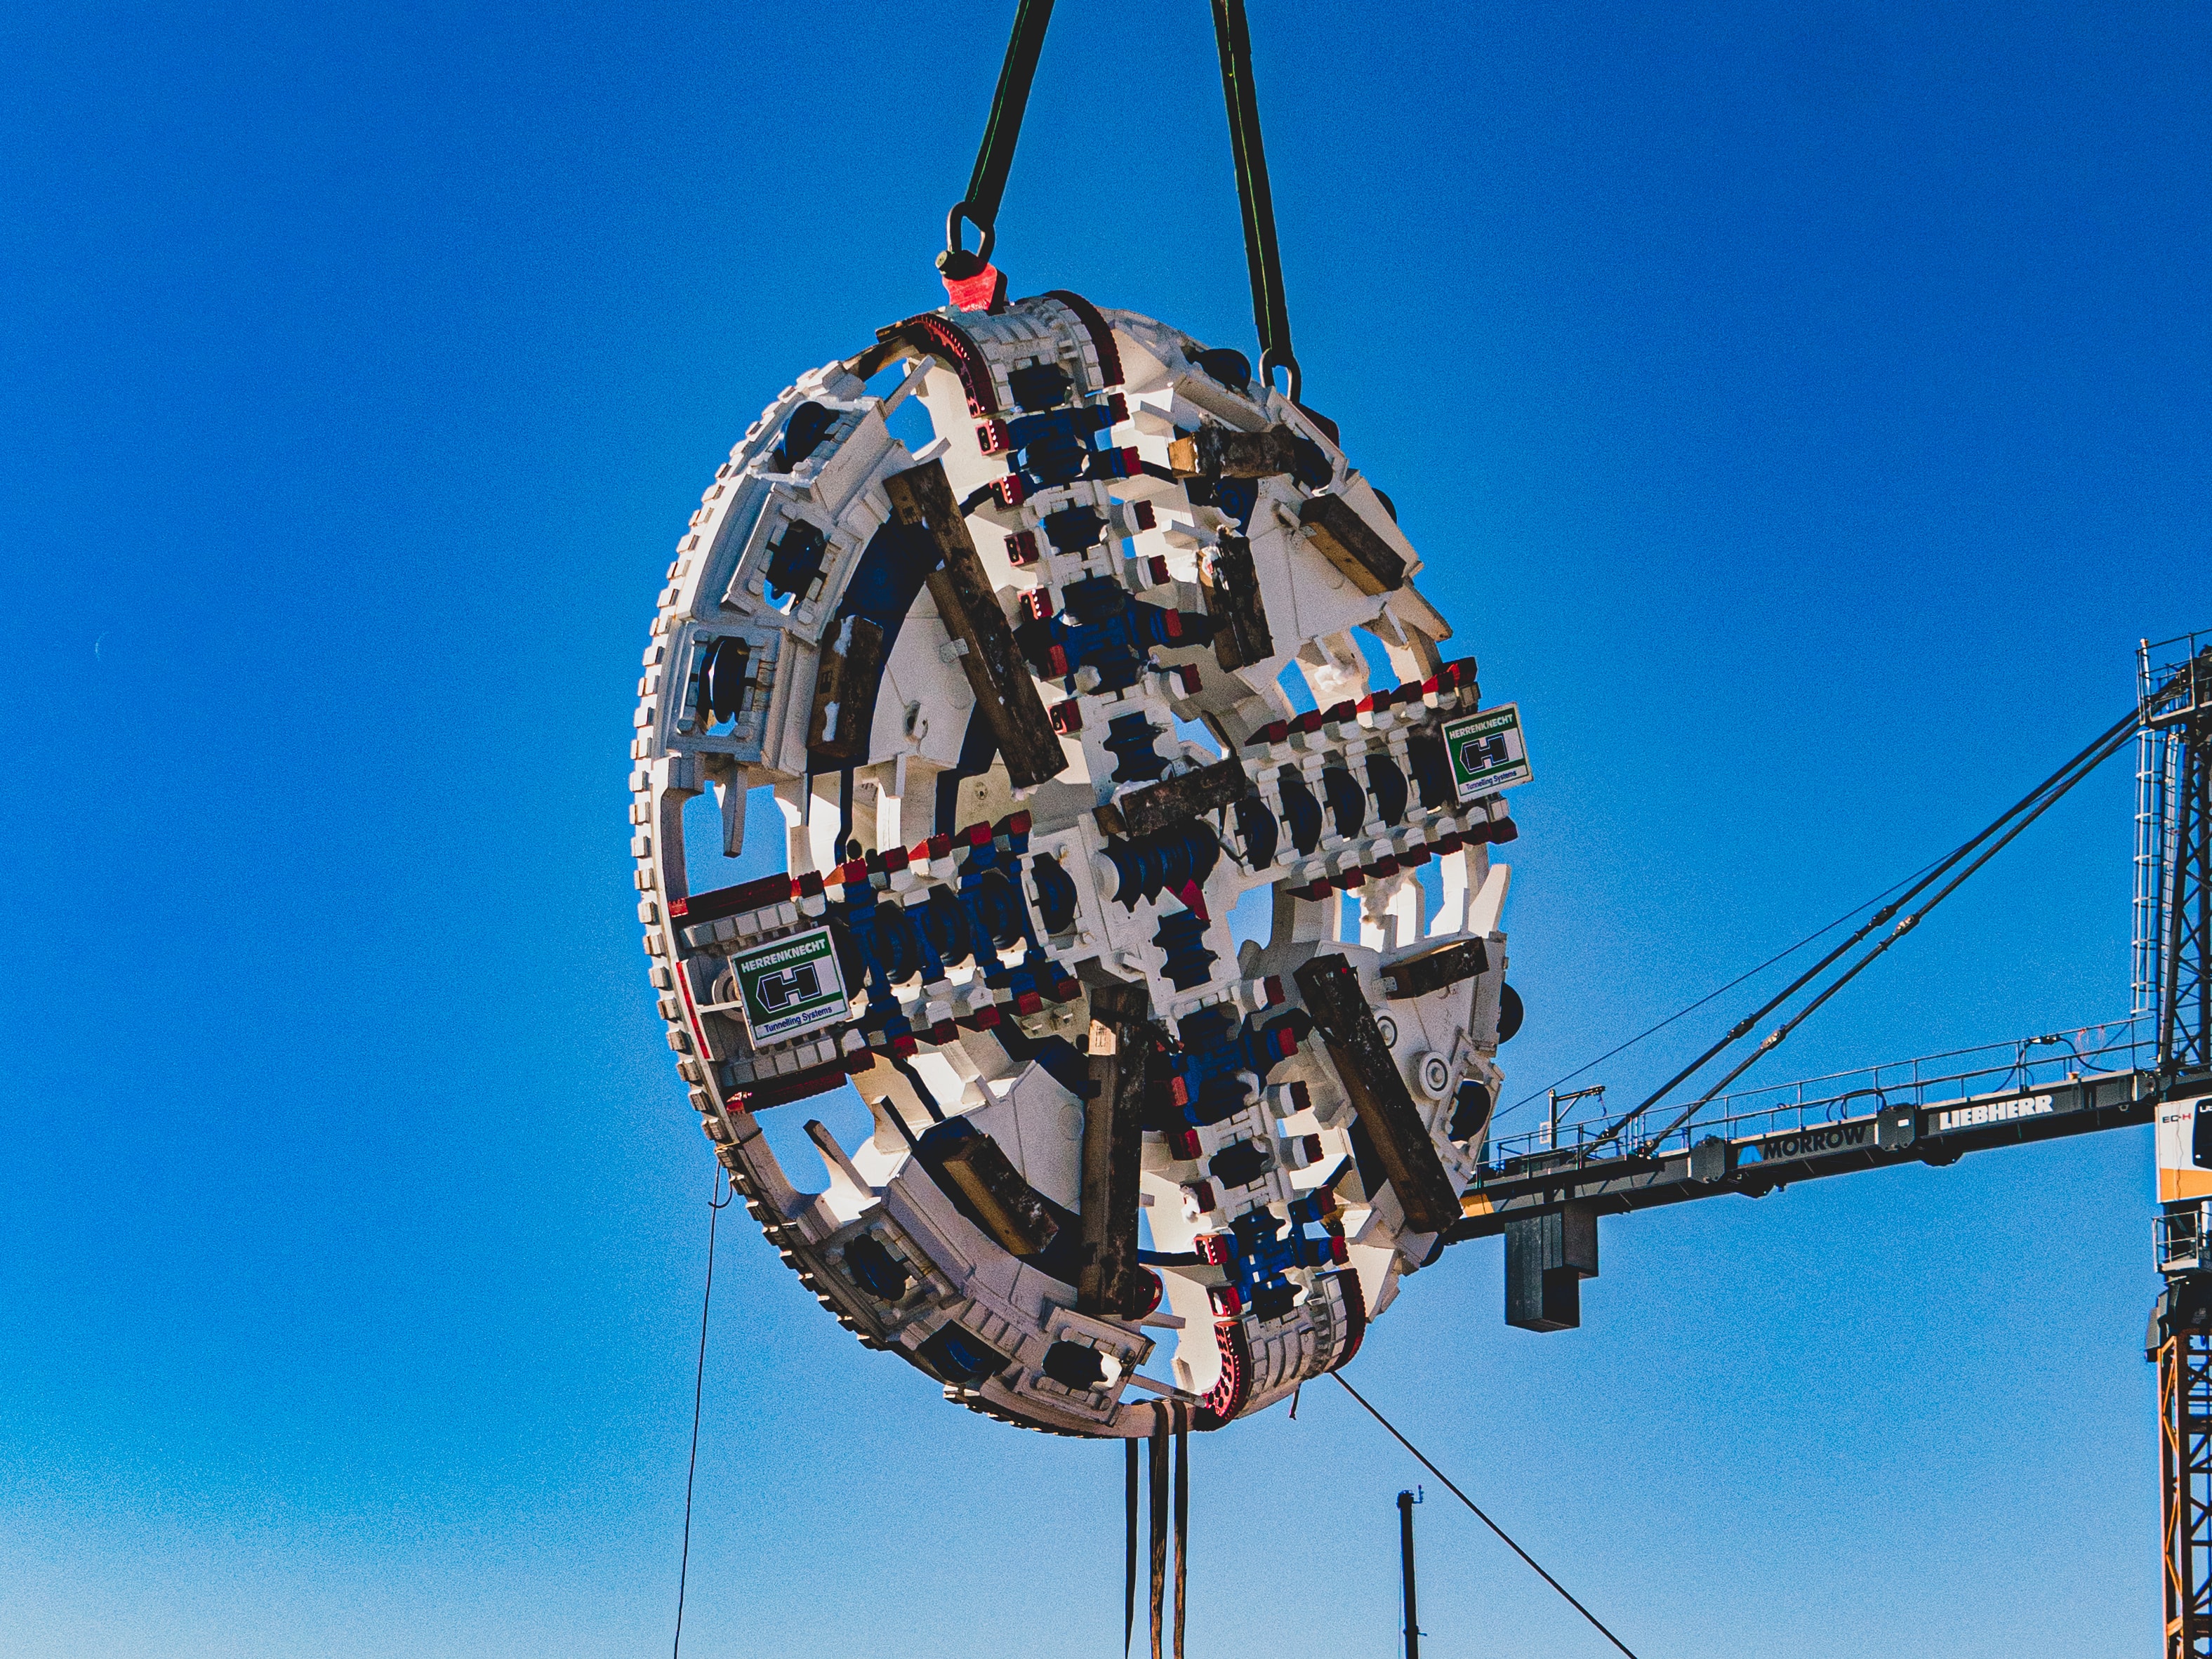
x: 1138, y: 834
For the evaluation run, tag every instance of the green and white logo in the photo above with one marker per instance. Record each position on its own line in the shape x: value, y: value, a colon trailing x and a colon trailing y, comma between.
x: 1487, y: 750
x: 791, y: 985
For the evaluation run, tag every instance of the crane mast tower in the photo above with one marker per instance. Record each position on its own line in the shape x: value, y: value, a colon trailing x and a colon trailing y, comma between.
x: 2173, y: 986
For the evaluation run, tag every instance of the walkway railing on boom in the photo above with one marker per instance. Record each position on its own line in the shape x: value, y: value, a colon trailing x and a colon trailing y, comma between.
x: 2174, y: 681
x: 1958, y: 1075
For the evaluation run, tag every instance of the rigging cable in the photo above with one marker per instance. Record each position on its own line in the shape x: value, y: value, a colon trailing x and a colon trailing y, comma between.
x: 1692, y: 1008
x: 1783, y: 1030
x: 976, y: 284
x: 698, y: 1395
x: 2100, y: 747
x: 1270, y: 310
x: 987, y: 183
x: 1422, y: 1458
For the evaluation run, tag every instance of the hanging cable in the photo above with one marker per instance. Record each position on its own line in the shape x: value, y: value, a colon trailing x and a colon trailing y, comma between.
x: 1780, y: 955
x: 1422, y: 1459
x: 987, y: 183
x: 974, y: 284
x: 698, y: 1395
x: 1942, y: 866
x: 1270, y: 311
x: 1782, y: 1031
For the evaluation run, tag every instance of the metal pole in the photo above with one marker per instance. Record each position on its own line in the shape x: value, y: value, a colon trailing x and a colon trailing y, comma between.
x: 1406, y: 1559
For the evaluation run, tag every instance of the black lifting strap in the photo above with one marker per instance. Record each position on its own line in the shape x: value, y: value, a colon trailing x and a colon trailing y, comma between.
x: 987, y: 184
x: 1270, y: 311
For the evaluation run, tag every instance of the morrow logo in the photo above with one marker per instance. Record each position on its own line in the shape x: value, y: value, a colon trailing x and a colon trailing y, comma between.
x: 1829, y: 1138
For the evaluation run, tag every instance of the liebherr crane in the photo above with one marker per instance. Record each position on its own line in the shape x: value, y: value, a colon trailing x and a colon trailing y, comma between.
x: 1546, y: 1189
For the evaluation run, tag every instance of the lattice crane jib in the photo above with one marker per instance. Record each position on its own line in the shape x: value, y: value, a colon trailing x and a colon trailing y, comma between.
x: 2172, y: 945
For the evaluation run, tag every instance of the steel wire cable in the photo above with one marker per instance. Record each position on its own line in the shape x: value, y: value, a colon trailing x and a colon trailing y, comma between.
x: 1753, y: 973
x: 2113, y: 736
x: 698, y: 1395
x: 1781, y: 1032
x: 1536, y: 1567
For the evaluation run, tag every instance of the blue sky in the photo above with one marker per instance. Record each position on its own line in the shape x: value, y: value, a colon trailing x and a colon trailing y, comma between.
x: 1803, y: 412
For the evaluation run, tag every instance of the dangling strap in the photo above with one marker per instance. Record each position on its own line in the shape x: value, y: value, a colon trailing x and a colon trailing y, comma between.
x: 1181, y: 1512
x: 1129, y: 1568
x: 1157, y: 1449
